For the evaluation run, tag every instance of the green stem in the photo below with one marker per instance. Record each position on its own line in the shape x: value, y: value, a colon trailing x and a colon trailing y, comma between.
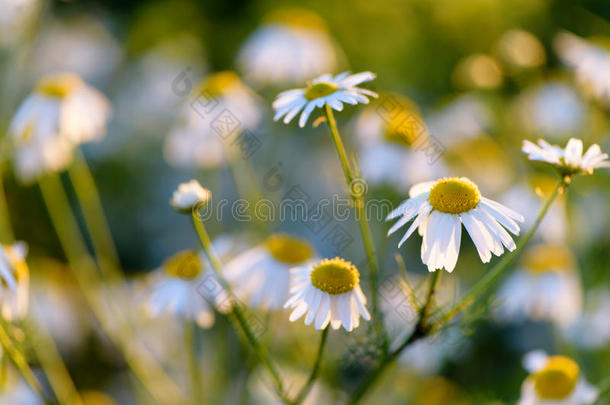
x: 365, y: 230
x: 20, y: 361
x: 477, y: 291
x: 6, y: 231
x: 237, y: 311
x: 153, y: 377
x: 190, y: 344
x: 314, y: 371
x: 95, y: 220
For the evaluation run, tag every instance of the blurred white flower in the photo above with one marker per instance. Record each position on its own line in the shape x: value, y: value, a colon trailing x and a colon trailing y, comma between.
x: 439, y: 208
x: 545, y: 287
x: 391, y: 150
x: 290, y: 47
x: 14, y: 19
x: 182, y: 286
x: 328, y: 292
x: 554, y: 380
x: 82, y: 45
x: 261, y: 275
x: 594, y: 320
x: 569, y: 160
x: 222, y: 106
x: 59, y: 114
x: 466, y: 117
x: 15, y: 285
x: 590, y: 61
x: 323, y: 90
x: 553, y: 109
x: 189, y: 195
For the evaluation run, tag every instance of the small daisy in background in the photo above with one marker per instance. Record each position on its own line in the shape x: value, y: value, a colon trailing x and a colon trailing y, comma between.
x: 391, y: 144
x: 323, y: 90
x: 15, y: 275
x: 438, y: 210
x: 545, y: 287
x: 189, y: 195
x: 61, y: 113
x: 328, y: 292
x: 177, y: 288
x: 292, y: 45
x: 554, y: 380
x: 590, y: 62
x: 261, y: 275
x: 594, y: 320
x: 221, y: 106
x: 569, y: 160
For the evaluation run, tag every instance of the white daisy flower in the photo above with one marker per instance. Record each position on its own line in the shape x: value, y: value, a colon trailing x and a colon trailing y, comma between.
x: 440, y: 208
x: 392, y: 147
x: 545, y: 287
x: 189, y: 195
x: 594, y: 320
x: 15, y: 276
x: 61, y: 113
x: 570, y: 160
x: 590, y: 62
x: 175, y: 289
x: 323, y: 90
x: 328, y: 292
x: 292, y: 46
x: 221, y: 108
x: 261, y: 275
x: 554, y: 380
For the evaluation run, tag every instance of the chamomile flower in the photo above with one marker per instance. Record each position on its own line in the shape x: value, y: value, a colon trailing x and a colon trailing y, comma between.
x: 15, y: 280
x: 323, y: 90
x: 554, y: 380
x: 189, y: 195
x: 545, y: 287
x: 292, y: 46
x: 439, y: 208
x: 175, y: 289
x: 590, y: 62
x: 262, y: 275
x: 328, y: 292
x: 62, y: 112
x: 568, y: 161
x: 221, y: 107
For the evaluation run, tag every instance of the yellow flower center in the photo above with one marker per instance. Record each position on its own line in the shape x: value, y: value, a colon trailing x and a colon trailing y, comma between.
x: 59, y: 86
x: 454, y: 195
x: 335, y: 276
x: 216, y: 84
x: 185, y: 264
x: 557, y: 379
x: 287, y: 249
x: 405, y: 125
x: 542, y: 258
x: 321, y: 89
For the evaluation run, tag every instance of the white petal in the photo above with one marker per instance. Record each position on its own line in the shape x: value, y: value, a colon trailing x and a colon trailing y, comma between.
x: 422, y: 216
x: 573, y: 152
x: 478, y: 236
x: 534, y: 360
x: 421, y: 188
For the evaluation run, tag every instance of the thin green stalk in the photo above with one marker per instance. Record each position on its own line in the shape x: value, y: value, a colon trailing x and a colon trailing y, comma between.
x: 53, y: 365
x: 190, y: 344
x: 153, y: 377
x: 95, y: 220
x: 259, y: 349
x: 365, y: 230
x: 479, y: 289
x: 6, y: 231
x: 20, y: 361
x: 314, y: 371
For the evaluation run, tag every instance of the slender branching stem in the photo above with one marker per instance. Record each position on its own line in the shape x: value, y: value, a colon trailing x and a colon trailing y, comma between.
x: 236, y: 308
x: 315, y: 369
x: 190, y: 345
